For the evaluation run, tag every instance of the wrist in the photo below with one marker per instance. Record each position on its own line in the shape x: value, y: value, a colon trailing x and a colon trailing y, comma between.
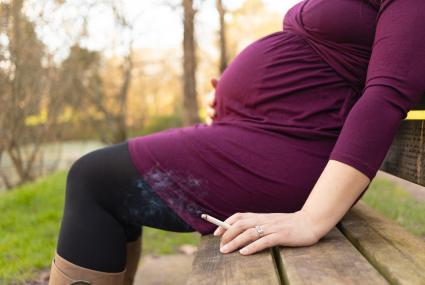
x: 316, y: 227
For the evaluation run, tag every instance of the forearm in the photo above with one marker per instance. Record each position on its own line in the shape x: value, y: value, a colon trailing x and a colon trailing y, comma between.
x: 335, y: 191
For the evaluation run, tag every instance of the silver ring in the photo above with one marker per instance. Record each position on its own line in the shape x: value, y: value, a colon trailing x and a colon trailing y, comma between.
x: 260, y: 230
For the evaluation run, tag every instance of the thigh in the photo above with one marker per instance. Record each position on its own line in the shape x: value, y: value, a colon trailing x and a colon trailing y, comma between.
x: 142, y: 206
x: 114, y: 183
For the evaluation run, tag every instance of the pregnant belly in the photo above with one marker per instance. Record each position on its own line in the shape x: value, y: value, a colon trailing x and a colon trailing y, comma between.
x: 279, y: 79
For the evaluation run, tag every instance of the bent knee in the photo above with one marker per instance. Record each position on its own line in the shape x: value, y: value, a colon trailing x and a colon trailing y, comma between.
x: 82, y: 167
x: 84, y: 173
x: 98, y: 171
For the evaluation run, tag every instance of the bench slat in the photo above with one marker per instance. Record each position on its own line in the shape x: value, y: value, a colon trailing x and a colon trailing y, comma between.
x: 210, y: 266
x: 406, y: 156
x: 397, y: 254
x: 333, y: 260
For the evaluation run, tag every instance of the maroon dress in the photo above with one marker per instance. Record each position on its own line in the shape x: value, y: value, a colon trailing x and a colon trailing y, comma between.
x: 335, y: 83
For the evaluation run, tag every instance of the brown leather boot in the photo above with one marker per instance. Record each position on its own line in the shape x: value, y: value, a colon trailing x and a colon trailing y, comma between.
x: 134, y: 250
x: 64, y: 272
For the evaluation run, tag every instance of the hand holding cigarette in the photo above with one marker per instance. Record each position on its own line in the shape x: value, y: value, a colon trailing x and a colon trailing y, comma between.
x: 253, y: 232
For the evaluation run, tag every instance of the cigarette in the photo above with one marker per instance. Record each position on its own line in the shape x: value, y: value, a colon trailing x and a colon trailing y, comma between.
x: 215, y: 221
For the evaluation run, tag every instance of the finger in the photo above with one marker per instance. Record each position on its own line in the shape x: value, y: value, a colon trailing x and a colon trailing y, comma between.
x: 260, y: 244
x: 211, y: 103
x: 214, y: 101
x: 238, y: 216
x: 210, y: 98
x: 236, y: 229
x: 214, y: 82
x: 231, y: 220
x: 219, y: 231
x: 241, y: 240
x: 210, y: 112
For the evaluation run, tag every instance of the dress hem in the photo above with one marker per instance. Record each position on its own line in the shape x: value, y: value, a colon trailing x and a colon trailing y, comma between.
x: 203, y: 230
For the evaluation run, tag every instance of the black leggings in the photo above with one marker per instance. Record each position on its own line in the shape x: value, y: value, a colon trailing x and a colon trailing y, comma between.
x: 106, y: 204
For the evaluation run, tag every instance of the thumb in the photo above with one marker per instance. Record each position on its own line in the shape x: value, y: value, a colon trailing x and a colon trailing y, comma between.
x: 214, y: 82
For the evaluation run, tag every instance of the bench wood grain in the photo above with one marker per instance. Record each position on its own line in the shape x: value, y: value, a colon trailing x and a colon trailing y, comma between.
x: 406, y: 156
x: 333, y: 260
x: 397, y: 254
x: 210, y: 266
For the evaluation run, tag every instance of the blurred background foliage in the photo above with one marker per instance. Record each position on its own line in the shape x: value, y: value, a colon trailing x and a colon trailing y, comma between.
x: 109, y: 70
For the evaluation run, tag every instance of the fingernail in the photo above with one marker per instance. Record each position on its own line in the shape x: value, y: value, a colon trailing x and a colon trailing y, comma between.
x: 224, y: 248
x: 243, y: 251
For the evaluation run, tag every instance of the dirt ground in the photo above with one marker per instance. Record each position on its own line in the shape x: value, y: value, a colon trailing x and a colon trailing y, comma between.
x: 164, y: 270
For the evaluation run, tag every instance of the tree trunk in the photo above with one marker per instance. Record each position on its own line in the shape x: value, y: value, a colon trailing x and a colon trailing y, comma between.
x: 190, y: 104
x: 121, y: 131
x: 222, y: 33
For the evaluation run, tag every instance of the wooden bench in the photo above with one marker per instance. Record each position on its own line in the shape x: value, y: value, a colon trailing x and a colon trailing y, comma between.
x: 364, y: 247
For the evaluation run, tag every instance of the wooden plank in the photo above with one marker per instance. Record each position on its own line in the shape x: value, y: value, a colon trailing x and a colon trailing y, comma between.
x: 333, y: 260
x: 406, y: 156
x: 397, y: 254
x: 210, y: 266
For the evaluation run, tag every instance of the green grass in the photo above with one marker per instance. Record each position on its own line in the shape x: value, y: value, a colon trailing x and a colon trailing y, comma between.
x: 396, y: 204
x: 29, y: 224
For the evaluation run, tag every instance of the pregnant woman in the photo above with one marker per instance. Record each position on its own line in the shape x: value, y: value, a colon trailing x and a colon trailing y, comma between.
x: 304, y: 118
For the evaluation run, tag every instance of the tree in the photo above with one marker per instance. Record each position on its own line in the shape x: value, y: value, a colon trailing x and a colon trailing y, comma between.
x: 222, y: 36
x: 111, y: 99
x: 113, y: 129
x: 190, y: 104
x: 99, y: 85
x: 25, y: 76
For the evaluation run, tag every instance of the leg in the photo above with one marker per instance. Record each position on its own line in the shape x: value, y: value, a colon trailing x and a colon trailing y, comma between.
x: 106, y: 204
x: 134, y: 252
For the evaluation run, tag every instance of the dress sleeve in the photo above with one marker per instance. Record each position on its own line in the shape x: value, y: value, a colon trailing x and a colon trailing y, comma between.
x: 395, y: 83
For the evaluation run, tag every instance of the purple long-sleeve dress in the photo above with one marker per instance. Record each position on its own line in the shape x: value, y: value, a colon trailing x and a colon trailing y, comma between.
x: 335, y: 83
